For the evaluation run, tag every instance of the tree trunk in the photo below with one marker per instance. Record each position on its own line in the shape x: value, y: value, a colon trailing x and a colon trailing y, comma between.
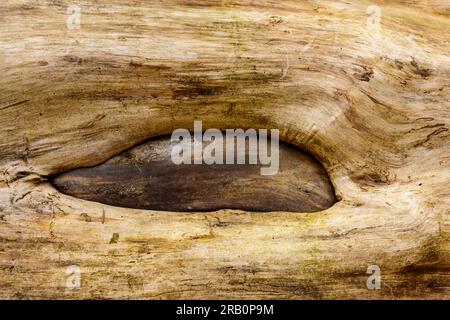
x: 363, y: 86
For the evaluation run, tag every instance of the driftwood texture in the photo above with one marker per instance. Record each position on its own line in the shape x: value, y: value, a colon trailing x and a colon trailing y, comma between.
x: 372, y: 104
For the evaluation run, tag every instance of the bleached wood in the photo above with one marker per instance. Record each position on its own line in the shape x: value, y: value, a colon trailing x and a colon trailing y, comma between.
x: 372, y: 106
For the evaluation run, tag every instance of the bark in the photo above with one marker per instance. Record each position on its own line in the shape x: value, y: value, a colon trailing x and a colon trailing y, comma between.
x: 372, y: 104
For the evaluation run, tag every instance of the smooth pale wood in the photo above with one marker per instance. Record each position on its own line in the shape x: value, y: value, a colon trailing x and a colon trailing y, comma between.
x: 372, y: 106
x: 145, y: 177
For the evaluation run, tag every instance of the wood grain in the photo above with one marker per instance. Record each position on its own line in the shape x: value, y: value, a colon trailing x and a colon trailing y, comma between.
x: 370, y: 103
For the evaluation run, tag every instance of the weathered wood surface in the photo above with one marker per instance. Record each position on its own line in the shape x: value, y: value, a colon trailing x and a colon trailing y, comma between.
x: 145, y: 177
x: 372, y: 104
